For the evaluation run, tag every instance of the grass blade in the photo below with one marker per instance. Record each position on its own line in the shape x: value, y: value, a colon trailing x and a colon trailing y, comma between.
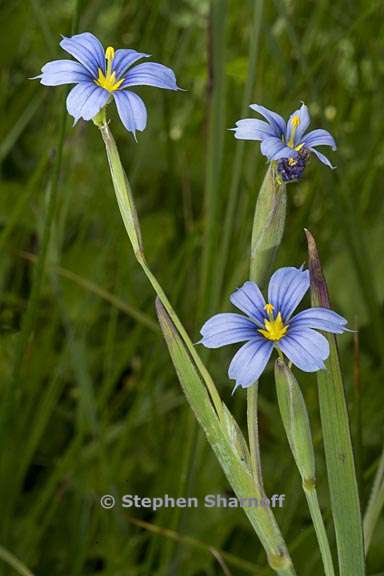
x: 14, y: 562
x: 337, y: 441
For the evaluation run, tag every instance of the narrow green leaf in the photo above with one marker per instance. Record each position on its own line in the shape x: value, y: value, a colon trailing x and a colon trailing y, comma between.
x: 235, y: 469
x: 295, y: 419
x: 236, y: 437
x: 337, y: 441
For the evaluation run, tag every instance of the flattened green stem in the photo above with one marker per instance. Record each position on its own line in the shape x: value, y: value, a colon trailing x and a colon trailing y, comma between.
x: 317, y: 519
x: 267, y: 233
x: 253, y: 434
x: 295, y: 418
x: 131, y: 222
x: 337, y: 441
x: 122, y: 188
x: 375, y: 504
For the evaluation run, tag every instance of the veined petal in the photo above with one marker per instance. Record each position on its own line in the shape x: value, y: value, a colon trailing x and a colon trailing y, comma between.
x: 304, y: 120
x: 274, y: 149
x: 87, y: 49
x: 227, y: 328
x: 151, y: 74
x: 124, y: 58
x: 85, y: 100
x: 286, y: 289
x: 252, y: 129
x: 275, y: 120
x: 60, y: 72
x: 250, y: 300
x: 249, y: 362
x: 305, y: 348
x: 320, y: 318
x: 322, y: 158
x: 319, y: 137
x: 131, y: 109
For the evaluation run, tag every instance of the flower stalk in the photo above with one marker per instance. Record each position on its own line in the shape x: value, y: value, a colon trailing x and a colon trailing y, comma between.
x: 267, y: 233
x: 131, y: 222
x: 295, y: 418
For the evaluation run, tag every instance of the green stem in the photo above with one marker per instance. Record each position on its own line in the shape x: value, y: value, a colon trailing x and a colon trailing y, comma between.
x: 14, y: 562
x: 253, y: 435
x: 267, y: 233
x: 295, y: 418
x: 317, y: 519
x: 129, y: 215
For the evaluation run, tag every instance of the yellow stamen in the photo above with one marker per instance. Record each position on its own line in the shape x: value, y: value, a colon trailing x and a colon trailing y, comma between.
x: 292, y: 162
x: 110, y: 53
x: 269, y: 308
x: 274, y: 328
x: 108, y: 81
x: 295, y: 122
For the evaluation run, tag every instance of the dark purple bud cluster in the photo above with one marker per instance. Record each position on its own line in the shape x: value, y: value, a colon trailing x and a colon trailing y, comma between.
x: 292, y: 169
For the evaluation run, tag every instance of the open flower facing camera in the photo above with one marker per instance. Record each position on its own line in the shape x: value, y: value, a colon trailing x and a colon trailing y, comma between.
x: 285, y: 142
x: 102, y: 75
x: 271, y: 325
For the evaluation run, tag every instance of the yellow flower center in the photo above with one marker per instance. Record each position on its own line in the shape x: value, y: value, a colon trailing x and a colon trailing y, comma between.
x: 275, y: 328
x: 108, y: 80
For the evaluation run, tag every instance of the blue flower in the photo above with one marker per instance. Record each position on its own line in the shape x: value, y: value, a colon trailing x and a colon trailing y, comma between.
x: 285, y: 142
x: 271, y: 325
x: 102, y: 75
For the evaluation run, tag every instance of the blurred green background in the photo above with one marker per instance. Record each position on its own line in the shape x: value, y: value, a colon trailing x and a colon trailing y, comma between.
x: 90, y: 404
